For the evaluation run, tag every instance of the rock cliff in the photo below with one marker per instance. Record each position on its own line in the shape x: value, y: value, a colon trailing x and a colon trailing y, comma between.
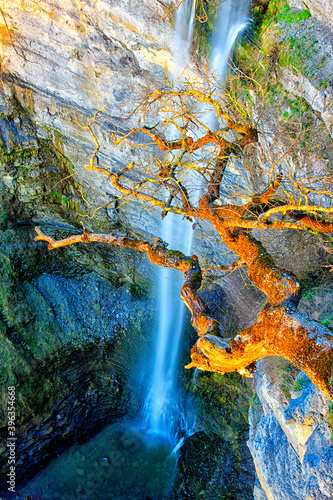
x: 290, y: 437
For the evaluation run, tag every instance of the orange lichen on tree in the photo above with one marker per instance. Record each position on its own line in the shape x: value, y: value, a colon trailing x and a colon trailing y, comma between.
x: 279, y: 330
x: 165, y: 181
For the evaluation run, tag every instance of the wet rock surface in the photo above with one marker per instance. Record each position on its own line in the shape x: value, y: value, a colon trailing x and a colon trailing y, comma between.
x: 87, y: 393
x: 215, y: 462
x: 208, y: 468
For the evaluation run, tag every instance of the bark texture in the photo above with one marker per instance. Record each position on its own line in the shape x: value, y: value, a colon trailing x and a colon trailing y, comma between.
x: 280, y: 329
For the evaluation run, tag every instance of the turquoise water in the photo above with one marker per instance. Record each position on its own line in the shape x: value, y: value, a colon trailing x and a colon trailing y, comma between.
x: 120, y: 463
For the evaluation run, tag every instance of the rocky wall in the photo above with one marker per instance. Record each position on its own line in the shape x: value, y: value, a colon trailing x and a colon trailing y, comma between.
x: 290, y: 420
x: 66, y: 60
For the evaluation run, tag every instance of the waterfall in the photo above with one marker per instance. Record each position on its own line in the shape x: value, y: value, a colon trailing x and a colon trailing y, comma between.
x: 185, y: 17
x: 162, y: 405
x: 162, y: 409
x: 232, y: 19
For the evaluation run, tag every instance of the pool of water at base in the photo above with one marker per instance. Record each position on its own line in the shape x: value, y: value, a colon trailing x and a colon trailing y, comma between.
x: 120, y: 463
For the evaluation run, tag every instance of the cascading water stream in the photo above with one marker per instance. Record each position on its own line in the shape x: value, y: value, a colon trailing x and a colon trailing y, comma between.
x: 162, y: 407
x: 232, y: 19
x: 185, y: 18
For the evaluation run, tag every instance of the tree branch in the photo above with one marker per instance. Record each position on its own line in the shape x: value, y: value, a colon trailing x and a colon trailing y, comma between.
x: 306, y: 209
x: 277, y: 332
x: 202, y: 322
x: 314, y: 222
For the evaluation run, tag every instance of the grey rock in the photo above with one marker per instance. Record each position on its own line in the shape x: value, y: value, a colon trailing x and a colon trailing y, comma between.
x: 275, y: 459
x: 309, y: 408
x: 290, y: 442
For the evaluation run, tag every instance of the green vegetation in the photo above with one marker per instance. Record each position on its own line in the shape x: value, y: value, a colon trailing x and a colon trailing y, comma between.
x: 256, y: 400
x: 295, y: 52
x: 176, y: 253
x: 279, y: 41
x: 223, y: 404
x: 328, y: 321
x: 296, y: 108
x: 256, y: 405
x: 300, y: 384
x: 271, y: 42
x: 287, y: 15
x: 279, y: 11
x: 3, y: 218
x: 206, y: 14
x: 17, y: 156
x: 292, y: 51
x: 329, y: 420
x: 324, y: 84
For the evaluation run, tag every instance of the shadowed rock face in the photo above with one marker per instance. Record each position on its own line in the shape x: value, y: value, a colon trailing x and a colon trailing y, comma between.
x: 218, y: 476
x: 62, y: 342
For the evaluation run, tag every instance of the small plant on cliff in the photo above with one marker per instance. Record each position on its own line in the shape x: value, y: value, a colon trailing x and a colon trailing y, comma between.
x: 256, y: 403
x: 300, y: 383
x: 287, y: 15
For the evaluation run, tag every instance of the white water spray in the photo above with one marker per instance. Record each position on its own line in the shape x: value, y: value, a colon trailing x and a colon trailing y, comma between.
x: 185, y: 18
x: 162, y: 405
x: 231, y: 21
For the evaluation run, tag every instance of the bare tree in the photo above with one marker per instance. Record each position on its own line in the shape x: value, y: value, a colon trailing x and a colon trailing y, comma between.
x: 168, y: 177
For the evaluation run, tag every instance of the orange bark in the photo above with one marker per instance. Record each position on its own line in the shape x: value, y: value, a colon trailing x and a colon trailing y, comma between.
x: 279, y: 329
